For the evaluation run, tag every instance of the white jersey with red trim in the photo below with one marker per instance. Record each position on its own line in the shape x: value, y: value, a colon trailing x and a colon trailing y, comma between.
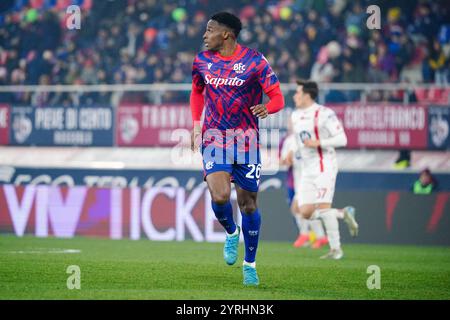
x: 318, y: 123
x: 290, y: 145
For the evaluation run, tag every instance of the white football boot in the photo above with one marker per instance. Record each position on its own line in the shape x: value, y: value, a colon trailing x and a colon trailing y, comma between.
x: 349, y: 218
x: 334, y: 254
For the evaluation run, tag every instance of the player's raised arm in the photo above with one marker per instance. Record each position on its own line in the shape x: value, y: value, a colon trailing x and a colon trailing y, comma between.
x: 197, y: 102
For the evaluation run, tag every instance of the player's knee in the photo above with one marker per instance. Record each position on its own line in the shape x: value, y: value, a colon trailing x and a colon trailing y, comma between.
x: 247, y: 207
x: 220, y: 197
x: 306, y: 212
x: 307, y: 215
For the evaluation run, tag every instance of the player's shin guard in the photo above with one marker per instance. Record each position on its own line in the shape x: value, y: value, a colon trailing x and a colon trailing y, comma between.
x: 251, y: 223
x: 329, y: 218
x: 224, y: 213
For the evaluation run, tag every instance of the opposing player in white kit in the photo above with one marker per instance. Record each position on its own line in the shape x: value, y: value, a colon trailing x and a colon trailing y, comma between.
x: 318, y: 132
x: 290, y: 156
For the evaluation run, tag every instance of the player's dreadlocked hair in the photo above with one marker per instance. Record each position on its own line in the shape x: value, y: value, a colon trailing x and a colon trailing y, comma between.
x: 229, y: 20
x: 309, y: 87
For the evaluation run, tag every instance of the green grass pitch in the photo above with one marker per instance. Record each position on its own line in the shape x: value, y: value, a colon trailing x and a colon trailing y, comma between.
x: 35, y: 268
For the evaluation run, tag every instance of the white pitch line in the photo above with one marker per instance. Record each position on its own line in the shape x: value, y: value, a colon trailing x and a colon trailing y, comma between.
x: 58, y: 251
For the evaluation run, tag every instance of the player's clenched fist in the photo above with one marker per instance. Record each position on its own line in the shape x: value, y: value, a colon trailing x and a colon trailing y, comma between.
x: 196, y: 136
x: 260, y: 110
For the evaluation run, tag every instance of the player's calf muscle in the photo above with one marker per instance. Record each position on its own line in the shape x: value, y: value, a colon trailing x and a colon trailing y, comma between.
x: 246, y: 200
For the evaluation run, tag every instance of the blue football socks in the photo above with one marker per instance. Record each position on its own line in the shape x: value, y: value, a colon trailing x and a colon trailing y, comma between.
x: 251, y: 224
x: 224, y: 213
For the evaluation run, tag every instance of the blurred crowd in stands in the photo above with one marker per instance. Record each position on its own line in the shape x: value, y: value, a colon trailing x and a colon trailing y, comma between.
x: 150, y: 41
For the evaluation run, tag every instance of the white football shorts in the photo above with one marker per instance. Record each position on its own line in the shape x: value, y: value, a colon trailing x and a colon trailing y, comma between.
x: 316, y: 189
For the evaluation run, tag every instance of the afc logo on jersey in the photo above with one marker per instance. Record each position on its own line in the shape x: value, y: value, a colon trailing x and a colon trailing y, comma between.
x: 239, y: 67
x: 304, y: 135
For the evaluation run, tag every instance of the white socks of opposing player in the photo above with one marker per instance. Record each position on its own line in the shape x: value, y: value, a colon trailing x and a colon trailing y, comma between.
x: 302, y: 224
x: 316, y: 226
x: 329, y: 218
